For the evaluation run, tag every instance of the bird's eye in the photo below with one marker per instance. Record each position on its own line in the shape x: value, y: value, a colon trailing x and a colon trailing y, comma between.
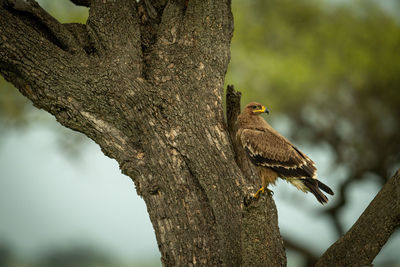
x: 254, y: 107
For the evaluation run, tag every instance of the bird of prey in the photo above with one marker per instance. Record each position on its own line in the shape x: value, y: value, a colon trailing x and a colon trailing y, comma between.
x: 275, y: 156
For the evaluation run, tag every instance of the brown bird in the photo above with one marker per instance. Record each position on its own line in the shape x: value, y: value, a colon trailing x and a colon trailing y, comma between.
x: 275, y: 156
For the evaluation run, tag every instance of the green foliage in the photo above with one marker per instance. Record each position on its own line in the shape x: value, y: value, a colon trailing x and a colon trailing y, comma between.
x: 65, y: 11
x: 288, y: 53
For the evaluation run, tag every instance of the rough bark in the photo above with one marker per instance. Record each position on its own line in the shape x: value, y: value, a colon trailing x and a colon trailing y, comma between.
x: 360, y: 245
x: 145, y: 81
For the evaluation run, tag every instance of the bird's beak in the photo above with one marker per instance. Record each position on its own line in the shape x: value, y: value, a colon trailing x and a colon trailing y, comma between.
x: 262, y: 110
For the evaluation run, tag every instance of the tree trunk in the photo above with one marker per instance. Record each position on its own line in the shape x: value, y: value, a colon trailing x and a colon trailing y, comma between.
x: 145, y: 82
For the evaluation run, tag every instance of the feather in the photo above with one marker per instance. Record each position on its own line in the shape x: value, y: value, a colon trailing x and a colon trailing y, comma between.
x: 266, y: 149
x: 312, y: 185
x: 275, y: 155
x: 325, y: 188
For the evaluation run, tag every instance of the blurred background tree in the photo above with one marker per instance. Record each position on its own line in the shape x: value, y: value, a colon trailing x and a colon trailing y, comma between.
x: 75, y: 257
x: 329, y: 73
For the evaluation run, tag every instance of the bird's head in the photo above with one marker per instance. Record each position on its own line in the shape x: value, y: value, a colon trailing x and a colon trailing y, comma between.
x: 255, y: 108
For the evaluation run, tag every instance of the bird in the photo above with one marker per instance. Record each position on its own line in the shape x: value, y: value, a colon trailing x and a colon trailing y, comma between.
x: 275, y: 156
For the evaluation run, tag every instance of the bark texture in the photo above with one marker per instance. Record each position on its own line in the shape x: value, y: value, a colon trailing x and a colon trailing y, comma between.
x: 144, y: 80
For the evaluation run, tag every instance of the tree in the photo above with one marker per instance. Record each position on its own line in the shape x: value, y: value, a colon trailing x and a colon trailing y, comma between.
x: 145, y: 82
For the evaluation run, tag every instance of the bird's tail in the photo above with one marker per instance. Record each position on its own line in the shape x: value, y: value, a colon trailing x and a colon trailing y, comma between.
x: 324, y: 187
x: 314, y: 187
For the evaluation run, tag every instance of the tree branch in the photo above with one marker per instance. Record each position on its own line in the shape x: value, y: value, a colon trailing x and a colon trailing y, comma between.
x: 28, y: 52
x: 55, y: 31
x: 260, y: 242
x: 190, y: 28
x: 232, y: 108
x: 81, y: 2
x: 55, y: 80
x: 360, y: 245
x: 232, y: 111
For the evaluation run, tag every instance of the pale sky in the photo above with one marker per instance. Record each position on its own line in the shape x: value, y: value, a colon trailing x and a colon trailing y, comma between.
x: 48, y: 199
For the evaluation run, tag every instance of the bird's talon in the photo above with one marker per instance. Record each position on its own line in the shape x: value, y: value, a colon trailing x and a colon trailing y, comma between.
x: 257, y: 194
x: 270, y: 192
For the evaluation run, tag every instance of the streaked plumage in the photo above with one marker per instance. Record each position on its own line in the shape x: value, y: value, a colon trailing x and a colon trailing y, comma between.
x: 275, y: 156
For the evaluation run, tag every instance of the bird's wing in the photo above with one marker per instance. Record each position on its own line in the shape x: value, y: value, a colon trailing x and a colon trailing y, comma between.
x: 269, y: 149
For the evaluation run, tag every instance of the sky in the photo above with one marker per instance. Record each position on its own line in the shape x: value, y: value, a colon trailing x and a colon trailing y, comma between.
x: 48, y: 198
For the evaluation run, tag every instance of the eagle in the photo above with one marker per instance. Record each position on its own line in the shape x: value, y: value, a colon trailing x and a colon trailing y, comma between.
x: 275, y: 156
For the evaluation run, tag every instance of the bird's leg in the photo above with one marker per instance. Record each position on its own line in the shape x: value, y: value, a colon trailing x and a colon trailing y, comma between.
x: 257, y: 194
x: 262, y: 190
x: 264, y: 184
